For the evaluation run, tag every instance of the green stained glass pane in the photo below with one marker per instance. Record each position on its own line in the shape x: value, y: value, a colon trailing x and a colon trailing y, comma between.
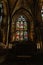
x: 25, y: 25
x: 0, y: 5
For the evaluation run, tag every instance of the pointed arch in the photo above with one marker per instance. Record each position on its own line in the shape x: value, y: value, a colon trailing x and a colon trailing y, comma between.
x: 25, y: 9
x: 27, y: 15
x: 25, y: 12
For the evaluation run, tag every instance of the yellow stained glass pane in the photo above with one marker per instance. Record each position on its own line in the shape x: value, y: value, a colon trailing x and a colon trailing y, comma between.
x: 17, y: 25
x: 21, y: 25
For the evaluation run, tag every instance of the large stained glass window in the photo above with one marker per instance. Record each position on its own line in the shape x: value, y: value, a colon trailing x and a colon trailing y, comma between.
x: 21, y: 29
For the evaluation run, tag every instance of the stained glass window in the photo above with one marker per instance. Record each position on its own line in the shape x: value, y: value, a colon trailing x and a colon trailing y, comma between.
x: 21, y: 29
x: 42, y: 13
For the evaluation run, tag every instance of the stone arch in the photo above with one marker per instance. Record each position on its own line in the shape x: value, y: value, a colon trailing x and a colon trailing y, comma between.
x: 28, y: 17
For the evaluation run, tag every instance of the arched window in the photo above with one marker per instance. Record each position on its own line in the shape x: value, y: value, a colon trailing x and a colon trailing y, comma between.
x: 21, y: 29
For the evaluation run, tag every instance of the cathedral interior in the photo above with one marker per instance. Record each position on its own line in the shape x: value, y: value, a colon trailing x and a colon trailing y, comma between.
x: 21, y: 32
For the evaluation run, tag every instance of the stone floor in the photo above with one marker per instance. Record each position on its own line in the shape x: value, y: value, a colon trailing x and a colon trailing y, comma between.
x: 10, y: 59
x: 23, y: 61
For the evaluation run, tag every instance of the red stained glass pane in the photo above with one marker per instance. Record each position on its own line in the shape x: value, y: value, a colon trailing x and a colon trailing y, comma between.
x: 17, y: 35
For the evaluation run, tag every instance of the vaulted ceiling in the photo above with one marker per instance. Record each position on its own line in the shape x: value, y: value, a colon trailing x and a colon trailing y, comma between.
x: 30, y: 5
x: 21, y: 3
x: 17, y: 4
x: 14, y: 3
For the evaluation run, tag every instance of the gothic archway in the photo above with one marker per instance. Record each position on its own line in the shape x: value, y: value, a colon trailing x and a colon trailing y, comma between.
x: 29, y: 18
